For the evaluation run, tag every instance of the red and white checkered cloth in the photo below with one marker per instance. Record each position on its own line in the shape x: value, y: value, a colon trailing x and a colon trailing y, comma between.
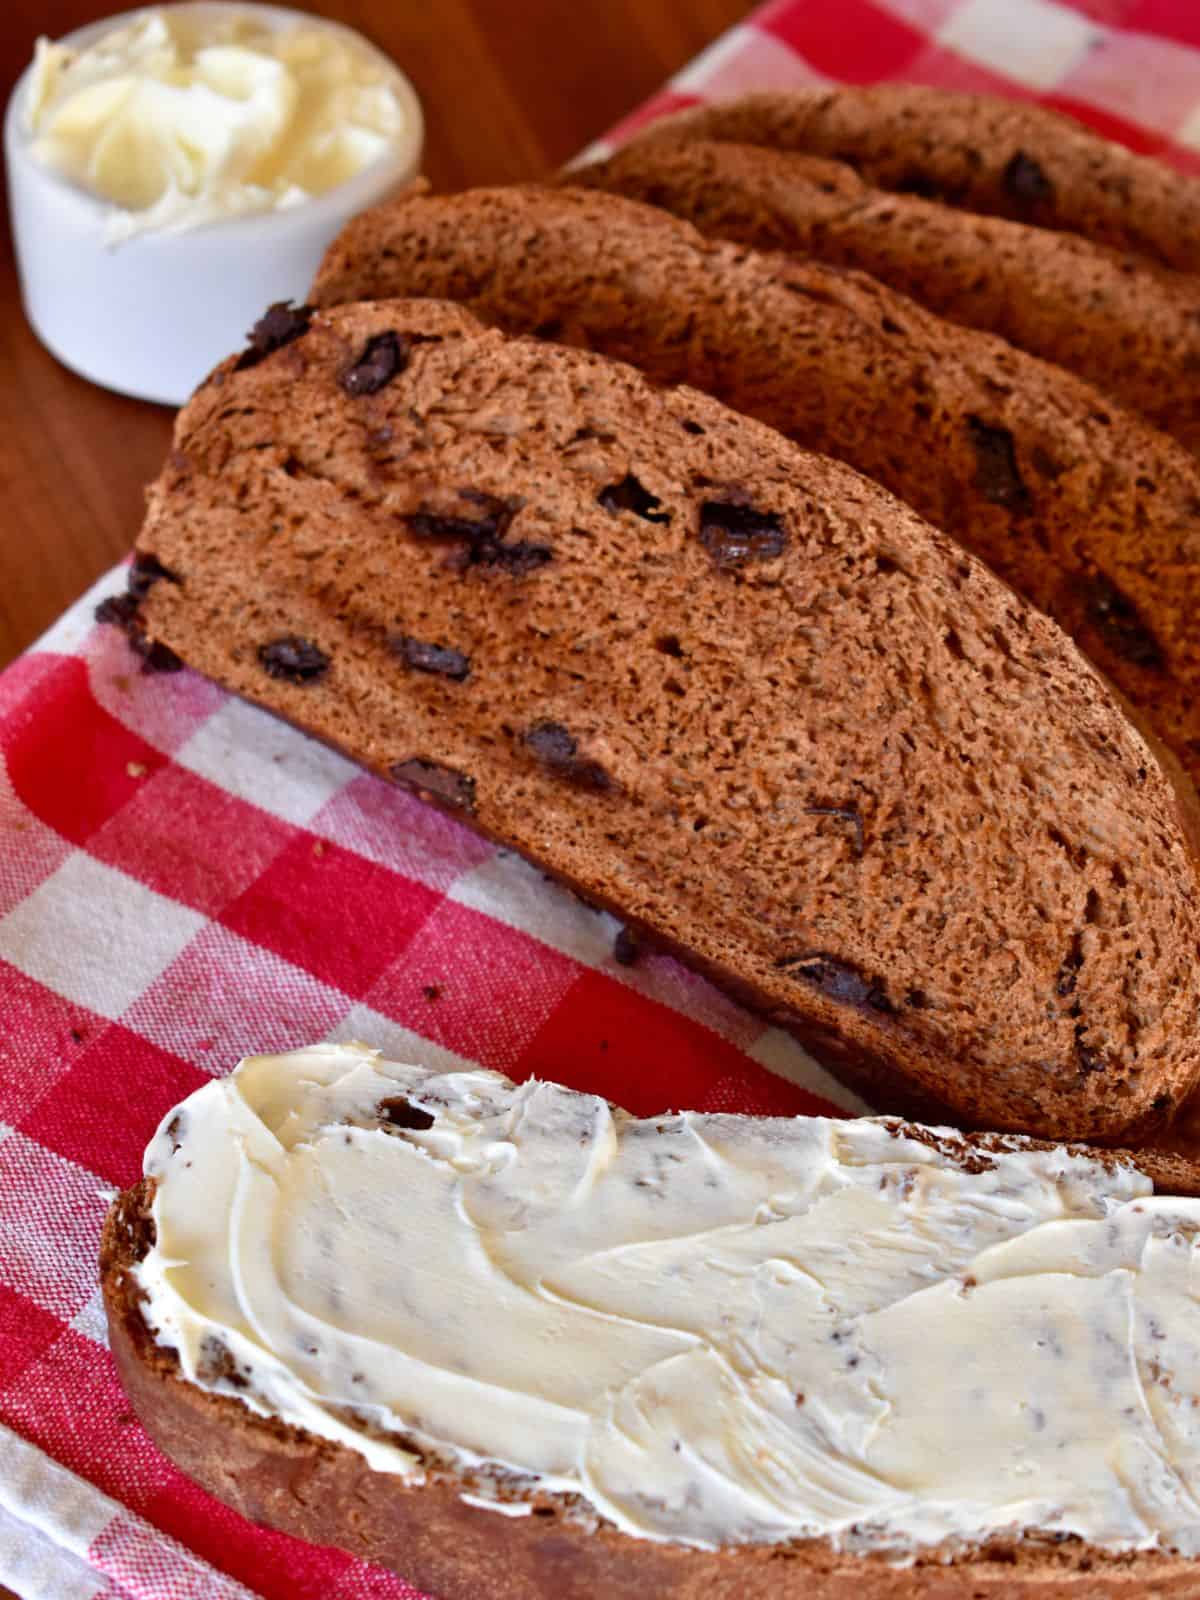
x: 183, y: 880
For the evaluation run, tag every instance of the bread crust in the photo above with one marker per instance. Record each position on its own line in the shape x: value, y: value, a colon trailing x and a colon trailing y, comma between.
x: 1085, y: 509
x: 1117, y: 321
x: 1005, y: 158
x: 286, y: 1478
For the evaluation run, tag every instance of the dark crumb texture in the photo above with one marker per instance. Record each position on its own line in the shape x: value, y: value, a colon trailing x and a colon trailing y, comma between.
x: 289, y: 1479
x: 781, y: 727
x: 1005, y: 158
x: 1122, y: 323
x: 1060, y: 491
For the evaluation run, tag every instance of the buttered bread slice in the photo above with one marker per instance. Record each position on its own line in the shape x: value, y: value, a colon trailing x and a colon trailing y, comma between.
x: 511, y: 1341
x: 732, y: 691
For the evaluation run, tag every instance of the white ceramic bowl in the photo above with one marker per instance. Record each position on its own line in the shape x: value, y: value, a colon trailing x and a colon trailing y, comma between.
x: 151, y: 316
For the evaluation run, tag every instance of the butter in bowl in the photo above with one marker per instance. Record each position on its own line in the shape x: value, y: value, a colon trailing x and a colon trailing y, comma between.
x: 174, y: 170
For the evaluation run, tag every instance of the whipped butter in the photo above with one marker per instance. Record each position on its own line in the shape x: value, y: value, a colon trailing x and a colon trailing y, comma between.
x: 713, y: 1329
x: 192, y: 114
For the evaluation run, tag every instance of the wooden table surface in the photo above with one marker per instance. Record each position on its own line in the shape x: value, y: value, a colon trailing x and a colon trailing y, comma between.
x: 510, y: 89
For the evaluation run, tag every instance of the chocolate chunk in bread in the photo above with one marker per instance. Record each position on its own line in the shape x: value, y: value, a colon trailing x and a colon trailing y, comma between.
x: 1129, y: 327
x: 1005, y: 158
x: 434, y: 781
x: 1026, y: 465
x: 292, y: 658
x: 630, y: 495
x: 1026, y: 183
x: 279, y: 325
x: 376, y: 365
x: 439, y: 658
x: 667, y: 727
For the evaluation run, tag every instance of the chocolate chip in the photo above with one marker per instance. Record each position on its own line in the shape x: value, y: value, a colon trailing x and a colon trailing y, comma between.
x: 438, y: 658
x: 383, y: 357
x: 997, y: 476
x: 520, y: 557
x: 118, y: 610
x: 1027, y: 183
x: 278, y: 325
x: 626, y: 947
x: 1120, y: 624
x: 474, y: 530
x: 121, y: 611
x: 433, y: 781
x: 145, y: 571
x: 838, y: 979
x: 734, y: 534
x: 630, y: 495
x: 556, y: 749
x: 481, y: 539
x: 156, y: 656
x: 1161, y: 1102
x: 551, y: 743
x: 401, y: 1113
x: 293, y: 659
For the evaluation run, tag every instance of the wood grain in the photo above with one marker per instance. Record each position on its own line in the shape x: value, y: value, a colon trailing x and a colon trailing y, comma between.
x: 511, y: 88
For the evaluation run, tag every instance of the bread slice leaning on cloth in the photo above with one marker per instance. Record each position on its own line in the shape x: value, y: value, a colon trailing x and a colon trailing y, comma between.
x: 1120, y: 323
x: 1005, y: 158
x: 518, y: 1345
x: 1087, y: 510
x: 734, y: 692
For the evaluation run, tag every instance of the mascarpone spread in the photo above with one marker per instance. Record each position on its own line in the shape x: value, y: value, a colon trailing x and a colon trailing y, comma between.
x: 191, y: 115
x: 715, y: 1329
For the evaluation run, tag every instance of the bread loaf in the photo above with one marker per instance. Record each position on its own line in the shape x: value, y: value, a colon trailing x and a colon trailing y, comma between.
x: 1089, y: 512
x: 732, y: 691
x: 1005, y: 158
x: 517, y: 1345
x: 1128, y: 327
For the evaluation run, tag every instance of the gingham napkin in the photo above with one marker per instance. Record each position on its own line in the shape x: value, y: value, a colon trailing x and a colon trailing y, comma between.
x: 182, y: 880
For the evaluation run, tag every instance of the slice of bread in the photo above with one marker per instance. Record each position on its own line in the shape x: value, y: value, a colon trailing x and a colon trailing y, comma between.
x: 230, y: 1434
x: 732, y: 691
x: 1086, y: 509
x: 1130, y: 328
x: 1006, y: 158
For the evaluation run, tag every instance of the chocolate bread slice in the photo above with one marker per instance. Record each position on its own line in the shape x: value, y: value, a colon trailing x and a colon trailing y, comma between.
x: 1005, y: 158
x: 732, y: 691
x: 518, y: 1345
x: 1088, y: 511
x: 1130, y: 328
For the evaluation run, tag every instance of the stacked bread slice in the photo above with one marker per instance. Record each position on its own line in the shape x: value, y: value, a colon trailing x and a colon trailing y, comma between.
x: 524, y: 513
x: 1127, y: 325
x: 1000, y: 158
x: 1087, y: 510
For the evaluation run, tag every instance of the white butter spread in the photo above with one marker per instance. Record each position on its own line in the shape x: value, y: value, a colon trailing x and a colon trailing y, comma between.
x: 715, y: 1329
x: 190, y: 115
